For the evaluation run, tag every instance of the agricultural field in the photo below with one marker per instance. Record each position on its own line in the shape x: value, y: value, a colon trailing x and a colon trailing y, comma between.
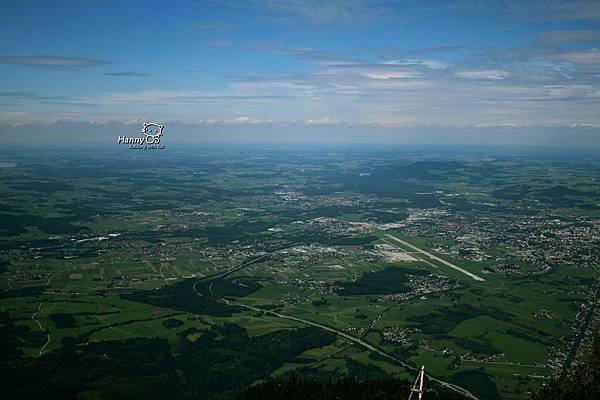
x: 228, y: 266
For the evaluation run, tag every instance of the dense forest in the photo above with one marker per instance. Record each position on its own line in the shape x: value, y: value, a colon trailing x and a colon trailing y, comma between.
x: 190, y: 295
x: 387, y: 281
x: 348, y: 388
x: 204, y: 364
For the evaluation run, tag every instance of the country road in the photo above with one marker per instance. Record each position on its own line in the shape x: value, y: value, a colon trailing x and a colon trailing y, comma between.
x: 48, y: 339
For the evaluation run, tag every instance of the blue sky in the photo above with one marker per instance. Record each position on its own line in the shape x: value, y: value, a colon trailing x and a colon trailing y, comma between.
x: 357, y: 70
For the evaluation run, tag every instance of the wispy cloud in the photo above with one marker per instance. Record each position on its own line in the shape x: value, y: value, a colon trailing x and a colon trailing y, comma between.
x: 576, y: 54
x: 126, y: 73
x: 382, y: 75
x: 537, y: 84
x: 540, y: 10
x: 266, y: 72
x: 51, y: 61
x: 484, y: 74
x: 300, y: 13
x: 325, y: 14
x: 20, y: 98
x: 558, y: 38
x: 210, y: 27
x: 30, y: 96
x: 557, y: 10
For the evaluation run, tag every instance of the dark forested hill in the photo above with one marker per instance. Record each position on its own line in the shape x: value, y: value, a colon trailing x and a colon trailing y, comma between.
x: 299, y: 388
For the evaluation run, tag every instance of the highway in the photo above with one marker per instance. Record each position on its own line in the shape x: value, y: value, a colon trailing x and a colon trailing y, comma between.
x: 327, y: 328
x: 355, y: 340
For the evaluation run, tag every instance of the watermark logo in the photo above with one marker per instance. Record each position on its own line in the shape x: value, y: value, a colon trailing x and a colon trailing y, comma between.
x: 150, y: 139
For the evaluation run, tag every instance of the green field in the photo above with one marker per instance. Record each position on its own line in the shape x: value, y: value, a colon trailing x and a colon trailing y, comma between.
x: 136, y: 267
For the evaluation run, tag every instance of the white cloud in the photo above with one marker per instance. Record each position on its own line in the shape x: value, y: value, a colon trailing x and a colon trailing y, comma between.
x: 320, y: 121
x: 584, y: 57
x: 390, y: 75
x: 249, y: 120
x: 392, y: 92
x: 485, y: 74
x: 432, y: 64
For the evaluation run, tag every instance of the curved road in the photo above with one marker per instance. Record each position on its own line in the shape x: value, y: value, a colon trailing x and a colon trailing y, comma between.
x: 34, y: 318
x: 335, y: 331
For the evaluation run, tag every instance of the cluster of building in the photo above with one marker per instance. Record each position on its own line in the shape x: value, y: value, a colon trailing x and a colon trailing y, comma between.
x: 28, y: 274
x: 302, y: 201
x: 573, y: 349
x: 539, y: 240
x: 399, y: 335
x: 422, y: 286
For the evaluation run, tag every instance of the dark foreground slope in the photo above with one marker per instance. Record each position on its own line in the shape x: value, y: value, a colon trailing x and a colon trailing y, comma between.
x: 215, y: 365
x: 299, y: 388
